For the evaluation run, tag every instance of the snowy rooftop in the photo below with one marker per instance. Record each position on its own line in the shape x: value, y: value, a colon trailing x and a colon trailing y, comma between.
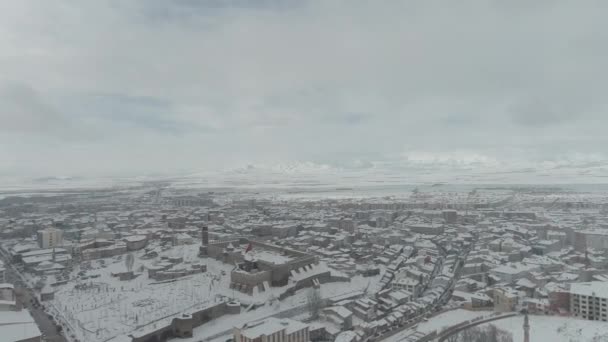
x: 268, y: 256
x: 270, y: 326
x: 17, y: 326
x: 594, y: 288
x: 135, y: 238
x: 514, y: 268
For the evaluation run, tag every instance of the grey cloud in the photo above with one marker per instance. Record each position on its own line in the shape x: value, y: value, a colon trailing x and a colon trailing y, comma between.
x: 278, y: 82
x: 538, y: 112
x: 351, y: 118
x: 554, y: 109
x: 23, y: 110
x: 136, y: 111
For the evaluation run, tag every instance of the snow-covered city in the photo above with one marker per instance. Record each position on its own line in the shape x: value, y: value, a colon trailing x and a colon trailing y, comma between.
x: 303, y: 171
x: 156, y: 263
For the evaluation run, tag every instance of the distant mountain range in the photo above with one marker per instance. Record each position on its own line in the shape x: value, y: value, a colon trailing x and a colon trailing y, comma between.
x: 309, y: 174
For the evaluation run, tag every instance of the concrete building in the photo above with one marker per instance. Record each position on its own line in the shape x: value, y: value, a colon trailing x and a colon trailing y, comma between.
x: 511, y: 272
x: 450, y: 216
x: 505, y: 300
x: 272, y: 330
x: 347, y: 225
x: 429, y: 229
x: 589, y: 300
x: 109, y: 249
x: 597, y: 239
x: 182, y: 326
x: 135, y: 242
x: 526, y: 329
x: 413, y: 286
x: 54, y: 255
x: 50, y: 237
x: 340, y: 316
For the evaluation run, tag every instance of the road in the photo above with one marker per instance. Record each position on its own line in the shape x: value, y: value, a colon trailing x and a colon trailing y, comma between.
x: 45, y: 324
x: 460, y: 327
x: 435, y: 309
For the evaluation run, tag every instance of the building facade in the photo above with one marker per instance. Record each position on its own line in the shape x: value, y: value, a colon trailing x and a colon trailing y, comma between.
x: 589, y: 300
x: 272, y: 330
x: 50, y: 238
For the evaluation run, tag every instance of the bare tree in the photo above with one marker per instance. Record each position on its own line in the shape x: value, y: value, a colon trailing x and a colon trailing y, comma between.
x: 485, y: 334
x: 492, y: 333
x: 129, y: 260
x: 314, y: 303
x: 468, y: 335
x: 453, y: 338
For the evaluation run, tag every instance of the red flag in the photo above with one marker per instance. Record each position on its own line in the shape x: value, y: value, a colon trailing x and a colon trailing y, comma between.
x: 249, y: 247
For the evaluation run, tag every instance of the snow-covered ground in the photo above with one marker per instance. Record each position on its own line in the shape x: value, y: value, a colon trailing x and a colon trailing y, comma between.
x: 542, y: 328
x: 450, y: 318
x: 103, y: 307
x: 556, y: 329
x: 100, y: 308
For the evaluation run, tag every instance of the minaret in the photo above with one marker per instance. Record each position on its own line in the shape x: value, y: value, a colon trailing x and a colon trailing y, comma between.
x: 526, y: 328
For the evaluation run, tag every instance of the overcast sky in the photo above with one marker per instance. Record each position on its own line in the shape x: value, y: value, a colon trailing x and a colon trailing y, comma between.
x: 132, y: 87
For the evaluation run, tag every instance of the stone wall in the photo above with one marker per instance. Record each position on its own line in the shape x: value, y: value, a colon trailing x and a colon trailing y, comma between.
x: 183, y: 326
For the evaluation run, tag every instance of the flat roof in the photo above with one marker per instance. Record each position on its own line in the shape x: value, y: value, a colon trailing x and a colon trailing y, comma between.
x: 44, y: 251
x: 592, y: 288
x: 18, y: 325
x: 270, y: 326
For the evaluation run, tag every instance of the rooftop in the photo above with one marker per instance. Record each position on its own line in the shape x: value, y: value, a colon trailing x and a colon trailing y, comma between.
x: 17, y: 326
x: 270, y: 326
x: 593, y: 288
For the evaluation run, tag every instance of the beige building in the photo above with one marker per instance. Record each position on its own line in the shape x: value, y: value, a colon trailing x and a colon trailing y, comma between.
x: 272, y: 330
x: 505, y: 300
x: 50, y: 237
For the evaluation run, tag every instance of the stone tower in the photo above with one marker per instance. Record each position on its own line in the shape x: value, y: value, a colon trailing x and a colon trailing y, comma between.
x: 526, y: 328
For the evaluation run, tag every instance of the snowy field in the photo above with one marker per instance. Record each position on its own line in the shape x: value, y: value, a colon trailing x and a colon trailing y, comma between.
x: 542, y: 328
x: 556, y: 329
x: 101, y: 308
x: 450, y: 318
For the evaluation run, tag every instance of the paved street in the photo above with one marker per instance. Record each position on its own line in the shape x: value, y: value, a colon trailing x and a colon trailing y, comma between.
x: 45, y: 324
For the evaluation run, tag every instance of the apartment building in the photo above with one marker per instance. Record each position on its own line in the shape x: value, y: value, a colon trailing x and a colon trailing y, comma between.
x: 589, y: 300
x: 50, y: 237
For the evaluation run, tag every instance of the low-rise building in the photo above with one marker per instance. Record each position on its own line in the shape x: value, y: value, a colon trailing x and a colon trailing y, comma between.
x: 505, y: 299
x: 272, y: 330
